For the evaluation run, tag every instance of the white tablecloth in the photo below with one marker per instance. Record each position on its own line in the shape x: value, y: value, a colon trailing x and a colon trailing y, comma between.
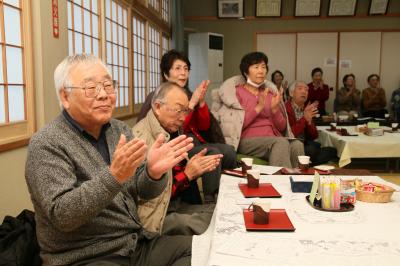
x: 361, y: 146
x: 368, y: 235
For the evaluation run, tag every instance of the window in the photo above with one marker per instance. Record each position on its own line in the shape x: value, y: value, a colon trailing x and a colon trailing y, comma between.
x: 149, y: 43
x: 83, y: 27
x: 139, y: 60
x: 130, y: 44
x: 154, y: 58
x: 165, y: 10
x: 117, y: 48
x: 155, y: 4
x: 16, y: 95
x: 165, y: 44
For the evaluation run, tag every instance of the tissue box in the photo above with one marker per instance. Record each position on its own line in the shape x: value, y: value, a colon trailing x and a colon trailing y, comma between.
x: 300, y: 186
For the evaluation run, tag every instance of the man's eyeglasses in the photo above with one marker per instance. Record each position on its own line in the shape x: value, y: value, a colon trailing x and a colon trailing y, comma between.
x: 177, y: 111
x: 92, y: 89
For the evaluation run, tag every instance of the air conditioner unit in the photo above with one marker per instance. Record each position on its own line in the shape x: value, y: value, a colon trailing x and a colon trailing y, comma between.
x: 206, y: 55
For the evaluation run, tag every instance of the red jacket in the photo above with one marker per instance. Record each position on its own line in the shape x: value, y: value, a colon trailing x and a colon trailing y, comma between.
x: 181, y: 181
x: 320, y: 95
x: 301, y: 126
x: 197, y: 120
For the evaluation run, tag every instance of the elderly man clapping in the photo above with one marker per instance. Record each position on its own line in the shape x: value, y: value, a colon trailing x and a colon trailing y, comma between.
x: 85, y: 171
x: 300, y: 118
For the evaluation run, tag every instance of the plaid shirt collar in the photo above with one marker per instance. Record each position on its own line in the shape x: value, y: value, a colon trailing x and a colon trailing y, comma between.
x: 298, y: 111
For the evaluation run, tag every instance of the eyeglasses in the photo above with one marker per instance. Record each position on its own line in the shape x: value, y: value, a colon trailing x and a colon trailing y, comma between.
x: 92, y: 89
x: 178, y: 112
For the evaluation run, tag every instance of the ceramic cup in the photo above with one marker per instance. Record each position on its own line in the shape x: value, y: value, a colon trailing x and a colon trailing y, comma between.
x: 333, y: 126
x: 260, y: 212
x: 304, y: 162
x: 253, y: 178
x: 247, y: 164
x: 395, y: 126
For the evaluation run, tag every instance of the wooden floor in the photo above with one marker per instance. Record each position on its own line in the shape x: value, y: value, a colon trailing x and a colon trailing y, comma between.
x: 393, y: 178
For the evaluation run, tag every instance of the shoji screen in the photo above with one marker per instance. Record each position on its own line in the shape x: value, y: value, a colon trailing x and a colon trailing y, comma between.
x: 390, y: 62
x: 313, y: 50
x: 281, y: 52
x: 360, y: 53
x: 362, y: 50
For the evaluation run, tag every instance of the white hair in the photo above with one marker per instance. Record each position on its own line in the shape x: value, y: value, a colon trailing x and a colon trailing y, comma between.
x: 163, y: 89
x: 294, y: 85
x: 62, y: 72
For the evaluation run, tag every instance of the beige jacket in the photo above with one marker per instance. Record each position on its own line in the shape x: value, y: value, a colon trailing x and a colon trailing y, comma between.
x: 152, y: 212
x: 230, y: 114
x: 228, y: 111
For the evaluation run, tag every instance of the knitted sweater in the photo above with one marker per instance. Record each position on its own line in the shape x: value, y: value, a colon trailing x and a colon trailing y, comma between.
x: 81, y: 210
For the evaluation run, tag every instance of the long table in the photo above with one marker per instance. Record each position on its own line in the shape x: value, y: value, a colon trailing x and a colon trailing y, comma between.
x: 361, y: 146
x: 368, y: 235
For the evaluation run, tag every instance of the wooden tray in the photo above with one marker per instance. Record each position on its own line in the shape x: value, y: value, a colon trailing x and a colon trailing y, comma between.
x: 309, y: 171
x: 265, y: 190
x: 344, y: 207
x: 278, y: 221
x: 233, y: 172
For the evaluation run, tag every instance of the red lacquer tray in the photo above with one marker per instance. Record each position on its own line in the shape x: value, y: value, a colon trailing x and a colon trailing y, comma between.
x: 278, y: 221
x: 265, y: 190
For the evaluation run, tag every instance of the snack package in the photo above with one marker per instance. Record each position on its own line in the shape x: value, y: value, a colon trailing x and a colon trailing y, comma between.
x: 348, y: 191
x: 330, y: 191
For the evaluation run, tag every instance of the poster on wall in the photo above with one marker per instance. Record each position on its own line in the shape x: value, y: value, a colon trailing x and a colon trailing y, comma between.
x: 378, y: 7
x: 345, y: 63
x: 268, y: 8
x: 342, y: 7
x: 54, y: 13
x: 230, y: 8
x: 330, y: 62
x: 308, y: 8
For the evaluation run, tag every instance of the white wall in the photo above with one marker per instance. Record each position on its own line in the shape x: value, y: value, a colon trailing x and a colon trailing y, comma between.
x: 47, y: 53
x: 368, y: 52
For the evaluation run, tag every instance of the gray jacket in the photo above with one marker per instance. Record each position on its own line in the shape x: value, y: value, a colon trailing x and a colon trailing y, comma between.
x: 81, y: 211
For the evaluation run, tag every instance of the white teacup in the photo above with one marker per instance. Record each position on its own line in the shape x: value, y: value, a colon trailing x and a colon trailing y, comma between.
x: 255, y: 173
x: 317, y: 115
x: 248, y: 161
x: 334, y: 124
x: 355, y: 115
x: 304, y: 159
x: 343, y: 117
x: 387, y: 115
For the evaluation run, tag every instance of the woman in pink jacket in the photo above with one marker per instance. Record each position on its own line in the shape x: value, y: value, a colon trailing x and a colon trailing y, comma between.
x: 253, y: 116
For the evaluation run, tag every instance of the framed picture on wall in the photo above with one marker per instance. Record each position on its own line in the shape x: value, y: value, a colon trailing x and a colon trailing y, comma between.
x: 342, y: 7
x: 378, y: 7
x: 268, y: 8
x: 307, y: 8
x: 230, y: 8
